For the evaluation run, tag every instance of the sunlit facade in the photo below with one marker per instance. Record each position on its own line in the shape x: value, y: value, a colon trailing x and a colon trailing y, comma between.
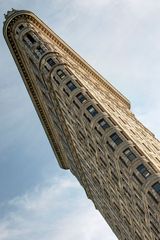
x: 90, y: 127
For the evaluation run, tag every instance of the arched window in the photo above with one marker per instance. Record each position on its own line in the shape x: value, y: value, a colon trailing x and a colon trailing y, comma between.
x: 61, y: 74
x: 50, y: 62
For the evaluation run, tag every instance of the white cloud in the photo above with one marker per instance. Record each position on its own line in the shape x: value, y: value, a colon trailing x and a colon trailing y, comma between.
x: 43, y: 197
x: 57, y: 210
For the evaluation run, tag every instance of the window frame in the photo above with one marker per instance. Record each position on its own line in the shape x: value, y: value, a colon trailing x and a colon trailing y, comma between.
x: 105, y: 125
x: 72, y: 87
x: 40, y: 50
x: 30, y: 38
x: 81, y: 98
x: 116, y: 140
x: 143, y: 171
x: 130, y: 156
x: 154, y: 186
x: 93, y: 112
x: 62, y: 75
x: 49, y: 60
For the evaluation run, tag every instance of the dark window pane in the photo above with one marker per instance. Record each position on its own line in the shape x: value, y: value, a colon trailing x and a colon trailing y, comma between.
x: 116, y: 139
x: 61, y: 74
x: 103, y: 123
x: 21, y: 27
x: 71, y: 86
x: 92, y: 110
x: 51, y: 62
x: 143, y: 170
x: 41, y: 51
x: 156, y: 187
x: 81, y: 97
x: 31, y: 39
x: 129, y: 154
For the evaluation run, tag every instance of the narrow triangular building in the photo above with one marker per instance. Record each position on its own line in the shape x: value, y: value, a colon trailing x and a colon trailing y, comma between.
x: 90, y: 127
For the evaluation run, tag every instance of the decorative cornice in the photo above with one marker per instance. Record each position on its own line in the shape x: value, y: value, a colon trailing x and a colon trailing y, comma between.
x: 54, y: 37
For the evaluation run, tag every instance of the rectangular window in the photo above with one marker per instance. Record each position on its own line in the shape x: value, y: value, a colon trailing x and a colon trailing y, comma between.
x: 92, y: 111
x: 92, y: 148
x: 98, y: 131
x: 71, y: 86
x: 156, y: 187
x: 129, y: 154
x: 56, y: 80
x: 81, y: 134
x: 143, y: 170
x: 103, y: 124
x: 155, y: 228
x: 51, y: 62
x: 86, y: 117
x: 122, y: 160
x: 116, y: 139
x: 31, y: 39
x: 137, y: 236
x: 65, y: 92
x: 103, y: 161
x: 60, y: 73
x: 76, y: 104
x: 81, y: 97
x: 153, y: 198
x: 111, y: 146
x: 138, y: 180
x: 46, y: 68
x: 40, y: 50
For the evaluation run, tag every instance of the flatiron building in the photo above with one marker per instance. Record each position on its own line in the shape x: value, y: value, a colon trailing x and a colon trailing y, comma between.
x: 90, y: 127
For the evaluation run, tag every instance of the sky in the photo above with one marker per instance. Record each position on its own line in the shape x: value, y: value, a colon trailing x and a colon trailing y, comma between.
x: 120, y: 39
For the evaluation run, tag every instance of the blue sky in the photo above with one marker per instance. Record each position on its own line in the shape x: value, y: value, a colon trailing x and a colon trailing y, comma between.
x: 120, y: 38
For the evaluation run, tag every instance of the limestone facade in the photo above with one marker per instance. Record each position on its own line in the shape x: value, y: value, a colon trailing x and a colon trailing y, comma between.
x: 90, y: 127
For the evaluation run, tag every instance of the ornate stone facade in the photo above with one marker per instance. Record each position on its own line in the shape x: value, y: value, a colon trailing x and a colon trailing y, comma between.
x: 90, y: 128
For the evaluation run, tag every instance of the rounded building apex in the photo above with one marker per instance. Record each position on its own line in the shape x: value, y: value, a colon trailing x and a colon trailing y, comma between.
x: 9, y: 13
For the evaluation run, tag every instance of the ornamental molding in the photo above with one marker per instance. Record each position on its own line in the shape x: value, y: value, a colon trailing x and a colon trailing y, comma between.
x: 27, y: 15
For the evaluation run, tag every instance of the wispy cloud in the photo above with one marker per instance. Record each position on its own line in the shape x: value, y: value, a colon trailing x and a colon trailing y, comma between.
x: 53, y: 210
